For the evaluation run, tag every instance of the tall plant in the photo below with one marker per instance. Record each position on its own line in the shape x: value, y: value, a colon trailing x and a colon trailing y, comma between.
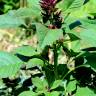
x: 60, y: 33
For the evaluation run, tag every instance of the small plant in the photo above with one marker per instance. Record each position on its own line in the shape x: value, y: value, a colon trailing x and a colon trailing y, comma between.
x: 30, y: 71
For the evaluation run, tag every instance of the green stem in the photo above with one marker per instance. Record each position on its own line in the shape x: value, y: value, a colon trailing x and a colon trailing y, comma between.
x: 55, y: 61
x: 23, y: 3
x: 71, y: 71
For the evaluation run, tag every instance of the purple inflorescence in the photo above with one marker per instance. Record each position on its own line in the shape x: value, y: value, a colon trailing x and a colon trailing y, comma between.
x: 51, y: 13
x: 47, y: 4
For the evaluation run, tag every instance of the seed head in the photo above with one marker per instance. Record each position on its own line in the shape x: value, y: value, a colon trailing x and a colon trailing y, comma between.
x: 48, y: 5
x: 51, y: 13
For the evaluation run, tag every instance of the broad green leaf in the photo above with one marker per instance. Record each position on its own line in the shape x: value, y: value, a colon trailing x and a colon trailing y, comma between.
x: 70, y: 5
x: 41, y: 84
x: 34, y: 62
x: 54, y: 93
x: 25, y: 51
x: 90, y: 9
x: 10, y: 21
x: 35, y: 6
x: 24, y: 12
x: 71, y: 86
x: 27, y: 12
x: 87, y: 37
x: 86, y: 23
x: 56, y: 84
x: 28, y: 93
x: 89, y: 24
x: 9, y: 64
x: 33, y: 10
x: 84, y: 11
x: 84, y: 91
x: 47, y: 36
x: 15, y: 18
x: 74, y: 45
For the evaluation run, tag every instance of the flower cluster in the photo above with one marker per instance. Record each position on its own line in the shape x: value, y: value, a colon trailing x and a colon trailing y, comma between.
x: 48, y: 5
x: 51, y: 13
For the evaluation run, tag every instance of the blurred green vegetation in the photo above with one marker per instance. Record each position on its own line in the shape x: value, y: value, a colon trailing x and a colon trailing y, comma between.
x: 6, y: 5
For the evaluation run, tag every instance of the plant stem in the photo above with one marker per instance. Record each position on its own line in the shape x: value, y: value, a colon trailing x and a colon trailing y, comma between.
x: 71, y: 71
x: 55, y: 61
x: 23, y: 3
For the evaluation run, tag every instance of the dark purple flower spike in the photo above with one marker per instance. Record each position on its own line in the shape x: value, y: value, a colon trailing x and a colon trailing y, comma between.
x: 47, y: 4
x: 51, y: 13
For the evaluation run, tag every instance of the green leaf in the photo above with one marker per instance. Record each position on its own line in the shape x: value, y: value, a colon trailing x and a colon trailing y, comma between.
x: 84, y: 92
x: 35, y: 7
x: 15, y: 18
x: 47, y: 36
x: 86, y: 10
x: 90, y: 9
x: 7, y: 7
x: 71, y: 86
x: 27, y: 93
x: 33, y: 10
x: 70, y: 5
x: 88, y: 33
x: 74, y: 45
x: 25, y: 51
x: 87, y: 37
x: 54, y: 93
x: 27, y: 12
x: 34, y: 4
x: 34, y: 62
x: 10, y: 21
x: 9, y: 64
x: 40, y: 84
x: 86, y: 23
x: 56, y: 84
